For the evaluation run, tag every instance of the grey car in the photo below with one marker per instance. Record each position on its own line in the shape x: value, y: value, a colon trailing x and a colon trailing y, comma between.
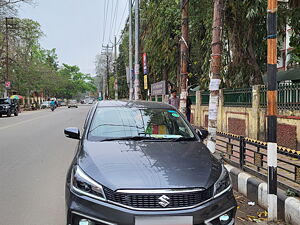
x: 140, y: 163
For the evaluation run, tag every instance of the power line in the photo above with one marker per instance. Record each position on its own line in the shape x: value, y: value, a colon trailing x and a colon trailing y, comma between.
x: 111, y: 19
x: 115, y: 17
x: 123, y: 16
x: 104, y: 19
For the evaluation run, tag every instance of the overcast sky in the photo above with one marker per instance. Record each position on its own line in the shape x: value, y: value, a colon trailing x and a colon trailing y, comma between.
x: 76, y: 27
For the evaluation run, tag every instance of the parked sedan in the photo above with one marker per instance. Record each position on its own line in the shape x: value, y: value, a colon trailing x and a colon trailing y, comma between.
x: 45, y: 104
x: 72, y: 103
x: 142, y: 163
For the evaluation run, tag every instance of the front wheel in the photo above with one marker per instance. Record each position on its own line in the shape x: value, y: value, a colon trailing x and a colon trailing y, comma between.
x: 8, y: 114
x: 16, y: 113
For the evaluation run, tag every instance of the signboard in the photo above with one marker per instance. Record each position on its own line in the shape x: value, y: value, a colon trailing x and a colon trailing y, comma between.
x: 145, y: 82
x: 145, y: 63
x: 7, y: 84
x: 158, y: 88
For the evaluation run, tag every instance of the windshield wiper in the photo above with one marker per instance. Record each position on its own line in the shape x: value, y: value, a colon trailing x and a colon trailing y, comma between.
x: 183, y: 139
x: 134, y: 138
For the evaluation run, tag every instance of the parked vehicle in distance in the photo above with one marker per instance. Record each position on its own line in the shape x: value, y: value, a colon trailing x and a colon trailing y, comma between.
x: 142, y: 163
x: 45, y: 104
x: 91, y: 101
x: 62, y: 103
x: 72, y: 103
x: 8, y: 107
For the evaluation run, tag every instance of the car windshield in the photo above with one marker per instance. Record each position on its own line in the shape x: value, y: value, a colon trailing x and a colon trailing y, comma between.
x: 4, y: 101
x: 120, y: 122
x: 73, y: 101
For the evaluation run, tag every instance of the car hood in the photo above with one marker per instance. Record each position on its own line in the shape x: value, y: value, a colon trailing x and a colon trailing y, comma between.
x: 149, y: 165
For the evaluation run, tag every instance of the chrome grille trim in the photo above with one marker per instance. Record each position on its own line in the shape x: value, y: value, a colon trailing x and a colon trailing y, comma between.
x: 160, y: 191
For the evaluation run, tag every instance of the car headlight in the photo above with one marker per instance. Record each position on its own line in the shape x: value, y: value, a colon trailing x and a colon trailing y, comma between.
x: 83, y: 184
x: 223, y: 184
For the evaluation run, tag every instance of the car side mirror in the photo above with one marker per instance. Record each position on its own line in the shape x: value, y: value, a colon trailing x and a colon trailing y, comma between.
x: 72, y: 132
x: 202, y: 133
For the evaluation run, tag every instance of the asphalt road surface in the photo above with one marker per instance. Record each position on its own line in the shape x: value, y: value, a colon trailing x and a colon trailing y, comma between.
x: 34, y: 158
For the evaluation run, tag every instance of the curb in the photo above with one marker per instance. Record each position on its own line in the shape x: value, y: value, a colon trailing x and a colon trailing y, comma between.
x: 256, y: 190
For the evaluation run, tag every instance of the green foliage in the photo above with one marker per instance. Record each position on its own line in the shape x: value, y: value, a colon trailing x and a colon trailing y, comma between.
x: 244, y: 40
x: 35, y: 70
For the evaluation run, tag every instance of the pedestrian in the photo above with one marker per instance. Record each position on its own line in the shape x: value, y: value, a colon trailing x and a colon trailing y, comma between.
x: 174, y: 100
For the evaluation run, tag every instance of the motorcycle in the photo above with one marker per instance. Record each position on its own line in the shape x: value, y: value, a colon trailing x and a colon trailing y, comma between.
x: 53, y: 107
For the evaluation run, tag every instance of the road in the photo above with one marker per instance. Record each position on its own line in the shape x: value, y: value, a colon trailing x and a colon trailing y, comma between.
x: 34, y: 158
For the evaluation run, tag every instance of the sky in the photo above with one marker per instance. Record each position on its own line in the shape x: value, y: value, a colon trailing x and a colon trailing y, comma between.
x: 77, y: 29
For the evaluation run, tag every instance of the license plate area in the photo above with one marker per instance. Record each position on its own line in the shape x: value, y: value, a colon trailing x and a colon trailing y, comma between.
x: 164, y: 220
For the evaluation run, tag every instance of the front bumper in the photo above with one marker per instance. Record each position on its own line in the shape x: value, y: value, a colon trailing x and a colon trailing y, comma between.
x: 82, y: 207
x: 4, y: 110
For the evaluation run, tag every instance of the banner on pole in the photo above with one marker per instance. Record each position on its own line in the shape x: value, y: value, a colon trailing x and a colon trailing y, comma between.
x: 145, y: 82
x: 145, y: 69
x: 7, y: 84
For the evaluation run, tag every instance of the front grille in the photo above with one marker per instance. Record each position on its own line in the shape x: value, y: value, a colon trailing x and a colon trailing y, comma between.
x: 151, y: 201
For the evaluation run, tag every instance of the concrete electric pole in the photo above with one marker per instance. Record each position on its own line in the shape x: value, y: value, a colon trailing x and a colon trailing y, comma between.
x: 136, y: 64
x: 8, y: 25
x: 184, y: 54
x: 215, y: 70
x: 272, y: 109
x: 116, y: 74
x: 130, y: 51
x: 106, y: 51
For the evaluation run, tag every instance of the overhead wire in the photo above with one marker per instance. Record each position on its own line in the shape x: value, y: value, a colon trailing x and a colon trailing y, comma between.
x: 111, y: 19
x: 104, y: 20
x: 115, y: 17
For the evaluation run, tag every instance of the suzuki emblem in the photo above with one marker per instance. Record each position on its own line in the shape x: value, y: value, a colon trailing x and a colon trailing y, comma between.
x: 164, y: 200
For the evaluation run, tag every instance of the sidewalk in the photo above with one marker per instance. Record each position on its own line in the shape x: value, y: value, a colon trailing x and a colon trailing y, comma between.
x: 249, y: 213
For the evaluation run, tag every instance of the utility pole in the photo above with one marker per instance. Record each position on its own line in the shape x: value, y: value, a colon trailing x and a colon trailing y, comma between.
x: 215, y: 70
x: 184, y: 54
x: 272, y: 109
x: 105, y: 52
x: 137, y: 64
x: 130, y: 51
x: 116, y: 74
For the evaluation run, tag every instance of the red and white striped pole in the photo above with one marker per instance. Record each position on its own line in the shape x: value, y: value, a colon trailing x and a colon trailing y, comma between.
x: 272, y: 110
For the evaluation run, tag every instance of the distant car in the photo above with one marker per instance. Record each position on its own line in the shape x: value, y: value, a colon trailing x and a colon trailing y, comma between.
x: 91, y: 101
x: 72, y: 103
x: 82, y: 102
x: 8, y: 107
x: 45, y: 104
x: 62, y: 103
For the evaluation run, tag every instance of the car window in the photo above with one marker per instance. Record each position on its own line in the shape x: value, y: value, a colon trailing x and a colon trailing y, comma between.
x: 128, y: 122
x: 4, y: 101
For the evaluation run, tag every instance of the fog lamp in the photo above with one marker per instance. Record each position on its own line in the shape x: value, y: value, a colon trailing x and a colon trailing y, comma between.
x: 85, y: 222
x: 224, y: 219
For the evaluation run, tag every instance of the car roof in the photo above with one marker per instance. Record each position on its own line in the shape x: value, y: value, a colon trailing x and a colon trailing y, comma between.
x: 134, y: 104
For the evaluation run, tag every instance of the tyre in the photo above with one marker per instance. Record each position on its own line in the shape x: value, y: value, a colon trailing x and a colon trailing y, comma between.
x: 8, y: 114
x: 16, y: 113
x: 69, y: 107
x: 0, y: 115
